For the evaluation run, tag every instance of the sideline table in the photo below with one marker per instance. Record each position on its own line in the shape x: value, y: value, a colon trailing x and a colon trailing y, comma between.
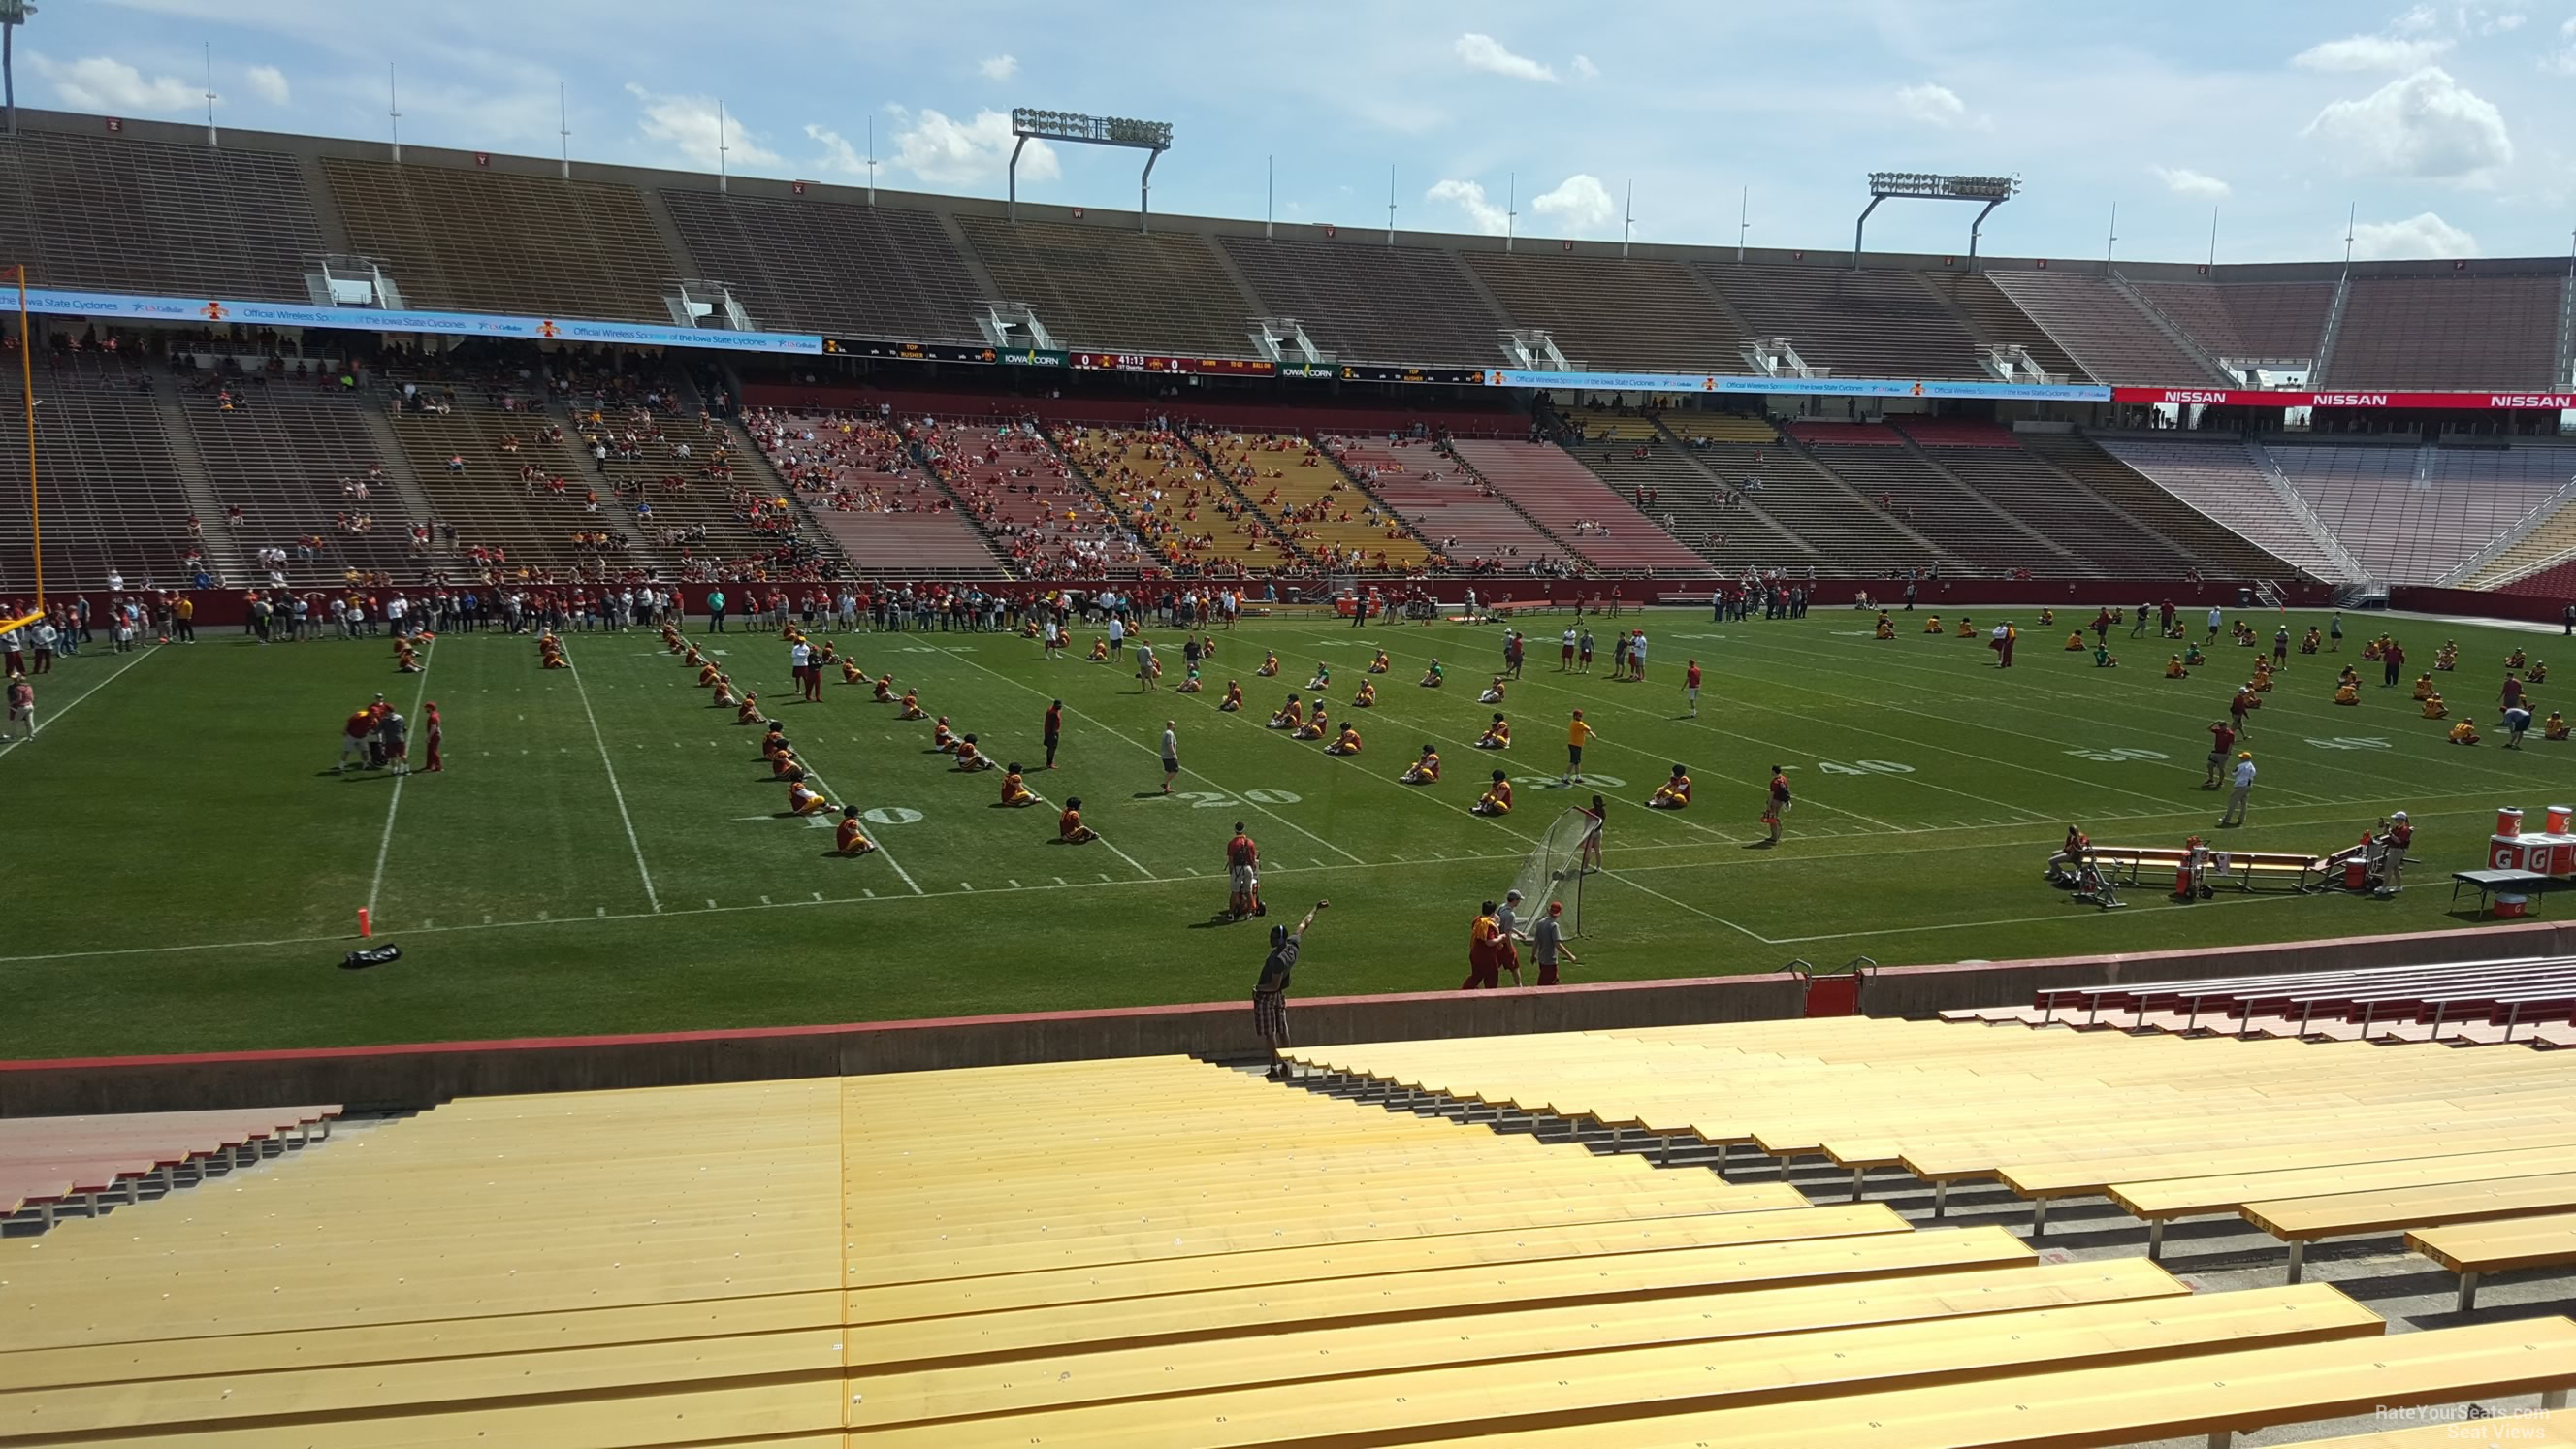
x: 2490, y: 883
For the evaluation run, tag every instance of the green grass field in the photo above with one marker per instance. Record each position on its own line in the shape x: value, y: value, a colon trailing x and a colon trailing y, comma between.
x: 604, y: 852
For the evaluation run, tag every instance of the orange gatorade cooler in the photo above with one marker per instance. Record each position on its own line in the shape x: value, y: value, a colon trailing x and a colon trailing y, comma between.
x: 2509, y: 821
x: 2554, y: 820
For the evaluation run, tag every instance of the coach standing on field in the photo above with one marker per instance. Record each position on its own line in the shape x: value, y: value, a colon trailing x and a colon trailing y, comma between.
x: 1270, y: 992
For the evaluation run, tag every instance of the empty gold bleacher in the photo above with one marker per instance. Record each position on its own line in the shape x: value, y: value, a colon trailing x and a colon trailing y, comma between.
x: 1335, y: 517
x: 1141, y: 1252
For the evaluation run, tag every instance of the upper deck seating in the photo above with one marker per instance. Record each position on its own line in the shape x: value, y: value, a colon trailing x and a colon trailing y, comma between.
x: 106, y: 214
x: 1372, y: 303
x: 491, y: 241
x: 823, y: 266
x: 1116, y: 289
x: 1857, y: 323
x: 2470, y: 331
x: 1633, y: 314
x: 2103, y: 329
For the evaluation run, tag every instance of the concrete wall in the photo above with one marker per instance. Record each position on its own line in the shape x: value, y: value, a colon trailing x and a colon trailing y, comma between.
x: 424, y: 1075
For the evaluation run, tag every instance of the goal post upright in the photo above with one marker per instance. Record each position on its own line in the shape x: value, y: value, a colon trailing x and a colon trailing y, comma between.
x: 27, y: 399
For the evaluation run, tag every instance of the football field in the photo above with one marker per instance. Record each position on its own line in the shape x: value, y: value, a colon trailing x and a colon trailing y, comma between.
x: 607, y: 851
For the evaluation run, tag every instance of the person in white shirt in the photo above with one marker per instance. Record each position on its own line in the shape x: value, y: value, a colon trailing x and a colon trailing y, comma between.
x: 2240, y: 785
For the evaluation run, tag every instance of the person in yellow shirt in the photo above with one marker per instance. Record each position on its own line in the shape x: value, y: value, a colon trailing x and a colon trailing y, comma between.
x: 1424, y: 771
x: 1099, y: 651
x: 2048, y: 618
x: 2075, y: 642
x: 2262, y: 683
x: 2347, y: 693
x: 1966, y: 629
x: 1290, y: 716
x: 1673, y: 794
x: 885, y: 689
x: 1379, y: 665
x: 1497, y: 799
x: 1347, y: 744
x: 941, y: 739
x: 2174, y: 669
x: 1932, y: 624
x: 1269, y: 666
x: 2538, y: 673
x: 724, y: 692
x: 1015, y: 791
x: 912, y: 706
x: 1497, y: 736
x: 2464, y: 733
x: 1578, y: 733
x: 2423, y: 688
x: 849, y: 838
x: 1233, y: 700
x: 748, y: 712
x: 708, y: 674
x: 1367, y: 697
x: 2434, y: 708
x: 1493, y: 693
x: 971, y: 758
x: 851, y: 673
x: 1314, y: 729
x: 1886, y: 626
x: 2554, y: 727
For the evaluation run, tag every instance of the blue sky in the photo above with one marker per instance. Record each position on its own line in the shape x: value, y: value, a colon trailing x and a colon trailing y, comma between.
x: 2451, y: 128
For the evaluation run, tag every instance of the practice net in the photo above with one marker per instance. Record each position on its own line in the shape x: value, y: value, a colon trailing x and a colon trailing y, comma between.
x: 1555, y: 871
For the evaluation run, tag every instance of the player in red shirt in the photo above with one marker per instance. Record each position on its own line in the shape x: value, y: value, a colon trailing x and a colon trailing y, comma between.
x: 361, y: 727
x: 2222, y: 745
x: 434, y: 736
x: 1690, y: 687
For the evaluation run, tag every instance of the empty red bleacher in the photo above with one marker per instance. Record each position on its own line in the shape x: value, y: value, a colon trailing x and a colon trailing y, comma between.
x: 1445, y: 504
x: 1573, y: 504
x: 48, y: 1161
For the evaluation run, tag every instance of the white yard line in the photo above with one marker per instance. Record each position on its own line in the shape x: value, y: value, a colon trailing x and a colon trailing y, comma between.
x: 1105, y: 840
x: 385, y: 844
x: 75, y: 703
x: 616, y: 792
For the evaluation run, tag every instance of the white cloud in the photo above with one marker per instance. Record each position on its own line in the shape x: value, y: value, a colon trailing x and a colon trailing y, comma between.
x: 1580, y: 201
x: 2500, y: 24
x: 691, y: 126
x: 97, y: 83
x: 269, y: 84
x: 1932, y: 105
x: 1584, y: 67
x: 2420, y: 235
x: 1483, y: 52
x: 2562, y: 61
x: 2423, y: 126
x: 2369, y: 52
x: 963, y: 153
x: 838, y: 155
x: 2415, y: 21
x: 2183, y: 181
x: 1469, y: 197
x: 999, y: 67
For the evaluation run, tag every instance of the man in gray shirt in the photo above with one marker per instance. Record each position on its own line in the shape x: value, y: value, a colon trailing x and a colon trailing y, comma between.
x: 1507, y: 918
x: 1547, y: 944
x: 1171, y: 756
